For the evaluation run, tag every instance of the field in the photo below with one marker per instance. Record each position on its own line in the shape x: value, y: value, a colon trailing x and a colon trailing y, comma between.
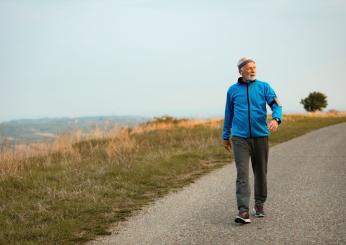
x: 73, y: 189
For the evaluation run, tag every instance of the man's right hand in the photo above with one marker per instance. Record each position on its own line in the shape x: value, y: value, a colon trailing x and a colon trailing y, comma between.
x: 227, y: 145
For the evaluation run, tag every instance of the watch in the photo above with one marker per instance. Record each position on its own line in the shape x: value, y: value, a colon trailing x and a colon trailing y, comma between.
x: 277, y: 119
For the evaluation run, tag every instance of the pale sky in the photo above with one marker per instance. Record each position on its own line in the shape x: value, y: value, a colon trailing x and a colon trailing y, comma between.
x: 155, y: 57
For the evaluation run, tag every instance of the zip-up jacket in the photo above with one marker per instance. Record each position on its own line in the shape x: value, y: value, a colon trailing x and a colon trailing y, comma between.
x: 246, y: 111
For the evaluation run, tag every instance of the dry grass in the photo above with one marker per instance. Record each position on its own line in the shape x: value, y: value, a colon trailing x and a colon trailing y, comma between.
x: 14, y: 158
x: 212, y: 123
x: 295, y: 116
x: 17, y: 157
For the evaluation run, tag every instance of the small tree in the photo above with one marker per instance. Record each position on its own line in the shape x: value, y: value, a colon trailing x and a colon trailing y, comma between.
x: 316, y: 101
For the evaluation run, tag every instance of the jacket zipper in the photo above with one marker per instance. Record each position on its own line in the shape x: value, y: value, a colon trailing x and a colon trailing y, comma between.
x: 248, y: 107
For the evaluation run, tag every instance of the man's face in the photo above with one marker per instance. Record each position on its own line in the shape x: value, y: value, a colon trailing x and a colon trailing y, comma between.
x: 248, y: 72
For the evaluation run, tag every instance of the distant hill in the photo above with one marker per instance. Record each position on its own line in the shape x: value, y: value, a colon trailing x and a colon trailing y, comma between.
x: 46, y: 129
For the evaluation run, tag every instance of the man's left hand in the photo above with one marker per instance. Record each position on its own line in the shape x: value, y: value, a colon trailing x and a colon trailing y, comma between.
x: 273, y: 125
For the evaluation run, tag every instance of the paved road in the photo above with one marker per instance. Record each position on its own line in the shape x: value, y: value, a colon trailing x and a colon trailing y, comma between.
x: 306, y: 201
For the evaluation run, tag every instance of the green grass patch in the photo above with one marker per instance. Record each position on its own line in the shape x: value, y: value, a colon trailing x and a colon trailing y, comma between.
x: 72, y: 198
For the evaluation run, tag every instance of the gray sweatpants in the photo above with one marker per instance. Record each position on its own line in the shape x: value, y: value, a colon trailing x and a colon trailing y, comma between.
x: 257, y: 149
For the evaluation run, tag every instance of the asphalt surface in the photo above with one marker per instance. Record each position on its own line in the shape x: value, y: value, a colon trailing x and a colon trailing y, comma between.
x: 306, y: 201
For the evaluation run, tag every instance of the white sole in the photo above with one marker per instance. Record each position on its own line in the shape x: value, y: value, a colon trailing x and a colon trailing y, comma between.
x: 241, y: 220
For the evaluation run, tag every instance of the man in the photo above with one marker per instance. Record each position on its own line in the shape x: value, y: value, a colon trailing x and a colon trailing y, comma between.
x: 246, y: 115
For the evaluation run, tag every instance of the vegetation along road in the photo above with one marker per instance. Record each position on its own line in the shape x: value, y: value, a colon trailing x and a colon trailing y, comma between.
x: 306, y: 201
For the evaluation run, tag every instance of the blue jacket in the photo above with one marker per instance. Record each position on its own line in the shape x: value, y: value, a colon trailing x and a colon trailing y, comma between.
x: 246, y: 111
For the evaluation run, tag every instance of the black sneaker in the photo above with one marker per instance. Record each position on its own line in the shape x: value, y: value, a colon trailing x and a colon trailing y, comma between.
x: 243, y: 217
x: 258, y: 211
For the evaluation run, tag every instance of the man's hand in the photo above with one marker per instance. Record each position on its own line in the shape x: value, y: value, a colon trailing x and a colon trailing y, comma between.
x: 227, y: 145
x: 273, y: 125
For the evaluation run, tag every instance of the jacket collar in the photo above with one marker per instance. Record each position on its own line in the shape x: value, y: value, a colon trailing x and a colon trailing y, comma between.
x: 240, y: 80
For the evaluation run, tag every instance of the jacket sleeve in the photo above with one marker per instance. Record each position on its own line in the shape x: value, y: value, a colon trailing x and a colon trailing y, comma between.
x: 274, y: 103
x: 227, y: 124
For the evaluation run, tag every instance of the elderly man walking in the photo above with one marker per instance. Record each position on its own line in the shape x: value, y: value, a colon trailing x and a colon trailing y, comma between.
x: 246, y: 117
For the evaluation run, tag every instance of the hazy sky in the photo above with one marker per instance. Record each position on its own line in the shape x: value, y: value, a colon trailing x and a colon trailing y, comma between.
x: 155, y: 57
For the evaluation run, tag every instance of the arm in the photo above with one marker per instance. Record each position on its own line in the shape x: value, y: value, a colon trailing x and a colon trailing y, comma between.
x: 276, y: 108
x: 227, y: 125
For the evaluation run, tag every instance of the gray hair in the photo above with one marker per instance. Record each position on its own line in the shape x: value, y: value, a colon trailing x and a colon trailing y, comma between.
x: 243, y: 61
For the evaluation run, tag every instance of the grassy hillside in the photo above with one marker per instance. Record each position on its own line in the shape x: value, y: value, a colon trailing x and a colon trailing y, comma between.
x: 47, y: 129
x: 73, y: 190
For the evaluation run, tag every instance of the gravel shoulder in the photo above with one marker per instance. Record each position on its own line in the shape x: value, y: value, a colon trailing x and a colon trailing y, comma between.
x: 306, y: 201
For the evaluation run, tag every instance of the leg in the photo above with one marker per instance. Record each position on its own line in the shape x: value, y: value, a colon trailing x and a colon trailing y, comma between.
x: 259, y: 160
x: 241, y: 156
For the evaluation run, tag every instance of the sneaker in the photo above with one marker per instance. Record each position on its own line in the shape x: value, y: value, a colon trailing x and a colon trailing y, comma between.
x: 258, y: 211
x: 243, y: 217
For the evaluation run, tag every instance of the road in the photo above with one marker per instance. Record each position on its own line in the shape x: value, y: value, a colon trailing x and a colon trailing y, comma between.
x: 306, y: 201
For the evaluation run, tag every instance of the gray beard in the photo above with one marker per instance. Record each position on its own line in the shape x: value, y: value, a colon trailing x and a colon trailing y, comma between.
x: 250, y: 78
